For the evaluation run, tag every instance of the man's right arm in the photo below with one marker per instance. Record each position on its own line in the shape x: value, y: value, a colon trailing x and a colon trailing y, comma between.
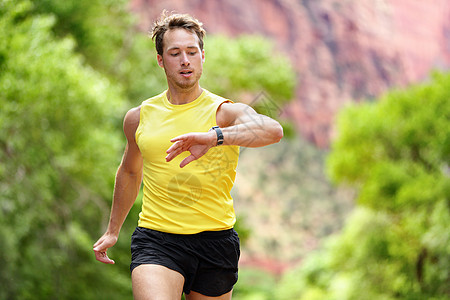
x: 126, y: 189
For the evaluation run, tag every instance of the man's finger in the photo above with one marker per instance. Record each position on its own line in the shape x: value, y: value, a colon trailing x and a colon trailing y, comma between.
x: 173, y: 154
x: 101, y: 256
x: 173, y: 147
x: 174, y: 151
x: 175, y: 139
x: 98, y: 243
x: 179, y: 138
x: 187, y: 160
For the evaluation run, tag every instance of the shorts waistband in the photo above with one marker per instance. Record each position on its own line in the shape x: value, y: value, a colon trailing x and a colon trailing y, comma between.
x: 203, y: 234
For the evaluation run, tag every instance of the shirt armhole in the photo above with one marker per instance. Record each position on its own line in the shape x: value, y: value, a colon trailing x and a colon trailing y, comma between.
x: 138, y: 128
x: 218, y: 105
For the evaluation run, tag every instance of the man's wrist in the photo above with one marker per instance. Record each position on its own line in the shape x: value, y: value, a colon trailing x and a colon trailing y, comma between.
x: 218, y: 135
x: 213, y: 138
x: 113, y: 230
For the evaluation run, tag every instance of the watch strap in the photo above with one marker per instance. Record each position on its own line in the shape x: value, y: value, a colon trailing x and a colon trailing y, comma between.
x: 219, y: 135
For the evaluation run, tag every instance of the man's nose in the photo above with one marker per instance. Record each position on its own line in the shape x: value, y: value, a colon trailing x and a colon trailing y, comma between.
x: 184, y: 60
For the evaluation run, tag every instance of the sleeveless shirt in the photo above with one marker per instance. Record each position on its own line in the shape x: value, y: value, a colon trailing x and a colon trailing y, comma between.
x: 197, y: 197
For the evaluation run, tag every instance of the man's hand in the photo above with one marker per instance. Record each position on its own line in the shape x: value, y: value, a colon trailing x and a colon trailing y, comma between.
x: 197, y: 143
x: 102, y: 245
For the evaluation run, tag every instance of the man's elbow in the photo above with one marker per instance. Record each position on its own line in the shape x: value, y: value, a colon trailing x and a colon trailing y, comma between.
x: 129, y: 171
x: 277, y: 133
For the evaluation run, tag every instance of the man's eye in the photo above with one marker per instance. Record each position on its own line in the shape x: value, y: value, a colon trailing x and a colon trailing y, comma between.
x: 174, y: 54
x: 192, y: 53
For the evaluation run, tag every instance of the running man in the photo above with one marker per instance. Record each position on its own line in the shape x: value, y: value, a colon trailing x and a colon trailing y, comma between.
x: 184, y: 145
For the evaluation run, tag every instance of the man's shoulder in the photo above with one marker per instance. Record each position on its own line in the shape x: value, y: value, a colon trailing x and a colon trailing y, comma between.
x: 216, y: 98
x: 132, y: 117
x: 156, y: 98
x: 131, y: 122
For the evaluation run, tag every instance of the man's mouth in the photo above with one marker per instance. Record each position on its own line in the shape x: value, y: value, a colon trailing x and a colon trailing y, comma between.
x: 187, y: 72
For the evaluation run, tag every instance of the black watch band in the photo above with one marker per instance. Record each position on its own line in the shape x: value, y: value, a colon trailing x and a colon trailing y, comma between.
x: 219, y: 134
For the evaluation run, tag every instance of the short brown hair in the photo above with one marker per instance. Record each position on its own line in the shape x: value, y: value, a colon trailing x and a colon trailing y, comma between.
x: 172, y: 21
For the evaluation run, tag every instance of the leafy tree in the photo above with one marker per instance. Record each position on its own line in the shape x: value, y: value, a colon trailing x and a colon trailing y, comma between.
x: 254, y: 284
x: 247, y: 64
x: 107, y: 37
x: 396, y: 245
x: 248, y: 69
x: 58, y: 156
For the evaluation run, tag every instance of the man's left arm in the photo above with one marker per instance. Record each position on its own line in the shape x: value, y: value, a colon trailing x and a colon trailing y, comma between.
x: 240, y: 124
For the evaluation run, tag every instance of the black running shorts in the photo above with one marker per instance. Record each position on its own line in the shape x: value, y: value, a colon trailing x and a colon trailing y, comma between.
x: 207, y: 260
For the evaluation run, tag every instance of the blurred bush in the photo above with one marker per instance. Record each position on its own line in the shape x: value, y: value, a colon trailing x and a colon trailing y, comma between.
x: 396, y: 245
x: 58, y: 151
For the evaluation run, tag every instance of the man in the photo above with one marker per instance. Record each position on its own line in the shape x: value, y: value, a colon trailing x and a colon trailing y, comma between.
x: 184, y: 145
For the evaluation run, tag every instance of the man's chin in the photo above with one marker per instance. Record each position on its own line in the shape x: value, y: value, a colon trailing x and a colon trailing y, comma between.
x: 186, y: 85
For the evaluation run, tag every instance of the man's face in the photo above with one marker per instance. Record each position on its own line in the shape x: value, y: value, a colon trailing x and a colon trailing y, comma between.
x: 182, y: 58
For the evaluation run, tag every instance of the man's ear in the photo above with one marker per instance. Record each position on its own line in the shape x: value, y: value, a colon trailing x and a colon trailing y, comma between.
x: 203, y: 55
x: 159, y: 58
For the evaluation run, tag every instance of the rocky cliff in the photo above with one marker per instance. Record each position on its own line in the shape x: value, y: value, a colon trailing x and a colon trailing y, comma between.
x: 342, y: 50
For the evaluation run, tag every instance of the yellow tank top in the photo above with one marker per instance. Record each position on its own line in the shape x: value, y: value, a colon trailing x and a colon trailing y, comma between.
x: 197, y: 197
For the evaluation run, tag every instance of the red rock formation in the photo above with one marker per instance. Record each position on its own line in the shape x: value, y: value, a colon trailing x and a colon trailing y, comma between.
x: 342, y: 50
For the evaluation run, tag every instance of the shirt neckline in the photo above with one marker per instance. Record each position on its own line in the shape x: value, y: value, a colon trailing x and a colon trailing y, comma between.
x: 182, y: 106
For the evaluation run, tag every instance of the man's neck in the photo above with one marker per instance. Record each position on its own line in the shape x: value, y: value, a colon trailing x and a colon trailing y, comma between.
x: 183, y: 96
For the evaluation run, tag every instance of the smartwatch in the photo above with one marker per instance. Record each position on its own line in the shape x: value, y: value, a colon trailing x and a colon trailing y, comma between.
x: 219, y: 135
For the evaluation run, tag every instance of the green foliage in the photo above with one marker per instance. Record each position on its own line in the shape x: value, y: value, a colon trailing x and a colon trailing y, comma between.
x: 57, y: 118
x: 254, y: 284
x: 247, y: 65
x: 249, y: 70
x: 107, y: 36
x: 397, y: 244
x: 373, y: 258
